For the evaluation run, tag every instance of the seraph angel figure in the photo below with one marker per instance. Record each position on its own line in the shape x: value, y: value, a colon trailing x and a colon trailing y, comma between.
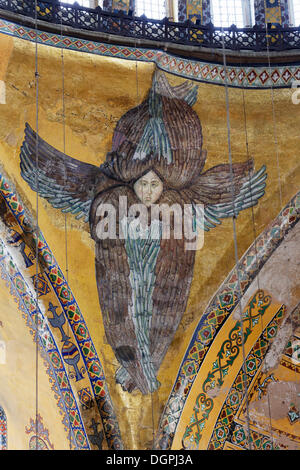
x: 156, y: 158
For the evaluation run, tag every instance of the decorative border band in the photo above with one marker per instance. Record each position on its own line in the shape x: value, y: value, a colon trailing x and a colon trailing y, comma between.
x: 72, y: 314
x: 254, y: 77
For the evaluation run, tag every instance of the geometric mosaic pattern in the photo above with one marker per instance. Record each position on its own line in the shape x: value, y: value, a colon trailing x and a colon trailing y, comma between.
x: 228, y: 296
x: 217, y: 312
x: 263, y: 76
x: 206, y: 14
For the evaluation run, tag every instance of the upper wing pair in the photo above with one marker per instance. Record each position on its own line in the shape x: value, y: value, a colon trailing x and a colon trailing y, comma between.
x: 68, y: 184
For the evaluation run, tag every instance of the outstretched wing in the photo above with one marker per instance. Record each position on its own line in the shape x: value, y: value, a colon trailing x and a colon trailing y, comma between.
x: 68, y: 184
x: 236, y: 194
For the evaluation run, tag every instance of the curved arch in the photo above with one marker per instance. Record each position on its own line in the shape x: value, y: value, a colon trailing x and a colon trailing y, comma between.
x: 216, y: 314
x: 37, y: 443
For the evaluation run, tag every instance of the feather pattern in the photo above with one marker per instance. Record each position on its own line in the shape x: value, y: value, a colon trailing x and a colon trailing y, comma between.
x: 68, y: 184
x: 142, y: 252
x: 251, y: 190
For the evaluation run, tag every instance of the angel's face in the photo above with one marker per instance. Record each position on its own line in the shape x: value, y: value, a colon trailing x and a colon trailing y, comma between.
x: 148, y: 188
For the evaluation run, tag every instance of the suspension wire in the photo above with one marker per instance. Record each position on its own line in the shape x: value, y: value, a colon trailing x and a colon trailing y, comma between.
x: 297, y: 398
x: 152, y: 416
x: 68, y: 407
x: 36, y: 74
x: 281, y: 200
x: 152, y: 401
x: 274, y: 118
x: 234, y: 230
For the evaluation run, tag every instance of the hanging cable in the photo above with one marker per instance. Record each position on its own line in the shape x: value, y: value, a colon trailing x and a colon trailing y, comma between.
x: 234, y: 228
x: 249, y: 180
x: 36, y: 75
